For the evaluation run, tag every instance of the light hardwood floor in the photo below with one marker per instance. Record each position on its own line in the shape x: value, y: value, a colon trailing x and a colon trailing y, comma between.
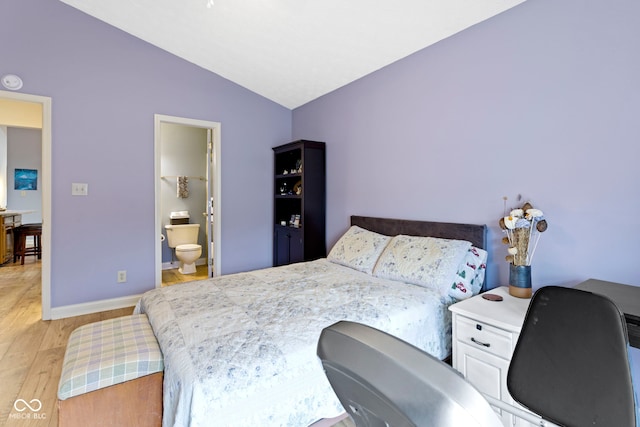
x: 32, y: 350
x: 171, y: 277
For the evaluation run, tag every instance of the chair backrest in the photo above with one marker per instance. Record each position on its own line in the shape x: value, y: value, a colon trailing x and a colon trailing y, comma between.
x: 384, y: 381
x: 571, y: 363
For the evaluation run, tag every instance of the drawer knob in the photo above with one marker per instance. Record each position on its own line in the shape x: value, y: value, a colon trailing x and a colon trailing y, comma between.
x: 484, y: 344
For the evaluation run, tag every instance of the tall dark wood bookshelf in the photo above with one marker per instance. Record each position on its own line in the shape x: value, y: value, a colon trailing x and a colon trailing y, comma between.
x: 299, y: 202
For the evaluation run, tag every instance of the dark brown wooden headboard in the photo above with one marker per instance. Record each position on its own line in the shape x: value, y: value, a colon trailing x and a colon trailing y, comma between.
x: 476, y: 234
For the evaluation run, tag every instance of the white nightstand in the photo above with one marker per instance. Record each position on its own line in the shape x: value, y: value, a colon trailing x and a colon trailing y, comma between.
x: 485, y: 334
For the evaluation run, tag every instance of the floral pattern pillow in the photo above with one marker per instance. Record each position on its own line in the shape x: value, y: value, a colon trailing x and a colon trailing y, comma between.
x: 425, y: 261
x: 358, y: 249
x: 470, y: 276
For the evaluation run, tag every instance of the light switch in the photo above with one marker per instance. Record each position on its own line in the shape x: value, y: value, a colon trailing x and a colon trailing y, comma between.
x: 79, y: 189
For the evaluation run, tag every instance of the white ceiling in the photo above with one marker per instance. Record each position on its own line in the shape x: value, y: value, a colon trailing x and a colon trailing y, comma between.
x: 292, y: 51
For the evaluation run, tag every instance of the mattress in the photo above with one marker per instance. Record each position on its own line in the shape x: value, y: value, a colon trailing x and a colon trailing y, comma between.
x: 240, y: 350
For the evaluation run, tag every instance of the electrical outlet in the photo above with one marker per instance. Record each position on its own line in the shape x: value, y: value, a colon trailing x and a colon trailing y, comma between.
x: 122, y: 276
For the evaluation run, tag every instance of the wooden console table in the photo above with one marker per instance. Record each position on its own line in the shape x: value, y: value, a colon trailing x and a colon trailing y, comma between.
x: 626, y: 297
x: 8, y: 221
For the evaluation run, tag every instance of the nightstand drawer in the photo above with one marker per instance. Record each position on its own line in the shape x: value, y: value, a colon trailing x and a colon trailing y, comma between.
x: 485, y: 337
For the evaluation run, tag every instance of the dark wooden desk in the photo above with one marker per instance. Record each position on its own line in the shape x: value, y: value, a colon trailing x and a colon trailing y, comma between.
x: 626, y: 297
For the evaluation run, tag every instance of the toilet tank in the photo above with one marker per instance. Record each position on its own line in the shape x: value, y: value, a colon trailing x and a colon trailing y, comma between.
x: 182, y: 234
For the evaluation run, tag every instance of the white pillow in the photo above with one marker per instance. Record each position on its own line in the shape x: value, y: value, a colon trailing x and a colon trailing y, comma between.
x: 358, y: 249
x: 425, y: 261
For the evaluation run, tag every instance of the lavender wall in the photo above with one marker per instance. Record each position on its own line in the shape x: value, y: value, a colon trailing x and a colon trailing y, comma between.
x: 106, y: 87
x: 542, y: 100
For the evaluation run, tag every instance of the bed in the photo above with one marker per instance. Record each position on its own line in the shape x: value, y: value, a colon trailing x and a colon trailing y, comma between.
x: 240, y: 349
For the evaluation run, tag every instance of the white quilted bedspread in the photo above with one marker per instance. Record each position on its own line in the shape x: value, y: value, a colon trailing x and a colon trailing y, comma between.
x: 240, y: 350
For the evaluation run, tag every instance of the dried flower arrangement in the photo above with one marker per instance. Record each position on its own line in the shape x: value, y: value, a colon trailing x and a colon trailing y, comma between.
x: 522, y: 228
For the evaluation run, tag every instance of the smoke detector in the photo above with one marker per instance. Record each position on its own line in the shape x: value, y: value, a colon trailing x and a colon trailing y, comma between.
x: 11, y: 82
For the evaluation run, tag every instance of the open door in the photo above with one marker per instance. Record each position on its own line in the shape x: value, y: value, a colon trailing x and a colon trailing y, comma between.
x: 211, y: 206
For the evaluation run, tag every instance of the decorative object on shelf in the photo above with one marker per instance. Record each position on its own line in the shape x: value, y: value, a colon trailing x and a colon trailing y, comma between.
x: 522, y: 227
x: 297, y: 188
x: 283, y: 189
x: 293, y: 222
x: 299, y: 166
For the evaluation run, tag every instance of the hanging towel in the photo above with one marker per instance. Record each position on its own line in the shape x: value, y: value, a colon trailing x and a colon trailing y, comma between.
x: 183, y: 187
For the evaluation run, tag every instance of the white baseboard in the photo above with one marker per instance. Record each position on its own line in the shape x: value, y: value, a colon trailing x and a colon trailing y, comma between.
x: 93, y: 307
x: 107, y: 304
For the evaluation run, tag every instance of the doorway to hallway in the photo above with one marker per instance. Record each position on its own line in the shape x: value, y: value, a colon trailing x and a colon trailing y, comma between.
x: 8, y: 102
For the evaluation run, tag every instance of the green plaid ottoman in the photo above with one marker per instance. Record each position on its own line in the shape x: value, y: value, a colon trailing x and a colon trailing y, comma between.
x: 110, y: 352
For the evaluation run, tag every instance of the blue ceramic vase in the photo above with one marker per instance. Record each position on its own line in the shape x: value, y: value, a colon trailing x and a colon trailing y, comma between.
x: 520, y: 281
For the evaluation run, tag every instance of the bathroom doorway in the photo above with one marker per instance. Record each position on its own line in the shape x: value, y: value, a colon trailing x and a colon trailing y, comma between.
x: 187, y: 172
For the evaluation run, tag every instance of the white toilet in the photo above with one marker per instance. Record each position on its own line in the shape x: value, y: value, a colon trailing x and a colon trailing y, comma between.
x: 184, y: 238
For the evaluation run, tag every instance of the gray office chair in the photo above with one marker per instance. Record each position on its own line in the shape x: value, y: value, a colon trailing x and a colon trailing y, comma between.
x: 571, y: 362
x: 570, y: 366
